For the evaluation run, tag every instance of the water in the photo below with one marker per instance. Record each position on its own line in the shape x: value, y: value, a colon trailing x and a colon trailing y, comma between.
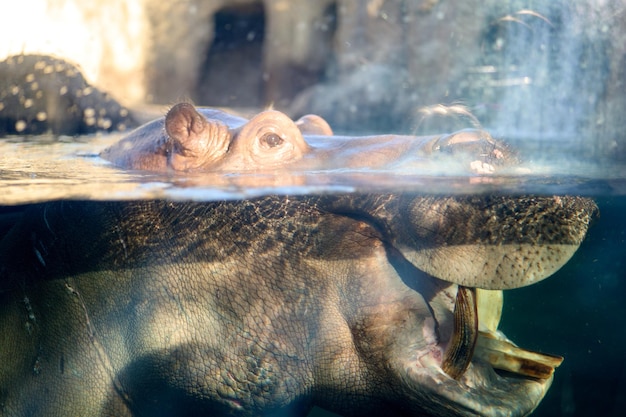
x: 43, y: 168
x: 578, y: 313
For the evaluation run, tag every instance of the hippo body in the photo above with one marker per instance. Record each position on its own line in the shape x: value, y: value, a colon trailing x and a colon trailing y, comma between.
x: 41, y: 94
x: 266, y: 306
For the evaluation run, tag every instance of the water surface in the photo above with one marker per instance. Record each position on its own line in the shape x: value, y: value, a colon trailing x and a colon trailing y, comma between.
x: 44, y: 168
x: 578, y: 313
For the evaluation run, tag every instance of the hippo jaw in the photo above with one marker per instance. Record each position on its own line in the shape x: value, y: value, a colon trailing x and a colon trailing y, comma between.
x: 479, y: 391
x: 441, y: 246
x: 416, y: 357
x: 492, y: 243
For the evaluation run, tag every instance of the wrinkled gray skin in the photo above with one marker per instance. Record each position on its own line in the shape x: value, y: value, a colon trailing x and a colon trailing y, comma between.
x: 209, y: 140
x: 261, y: 307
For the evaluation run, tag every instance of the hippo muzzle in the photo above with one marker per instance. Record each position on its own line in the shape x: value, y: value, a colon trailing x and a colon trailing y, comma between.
x: 446, y: 348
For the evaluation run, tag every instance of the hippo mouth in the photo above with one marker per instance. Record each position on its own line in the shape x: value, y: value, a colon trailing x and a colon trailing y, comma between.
x: 450, y: 252
x: 488, y: 344
x: 478, y: 370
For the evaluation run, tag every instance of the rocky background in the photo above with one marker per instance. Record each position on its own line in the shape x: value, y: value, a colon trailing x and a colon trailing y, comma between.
x: 553, y: 72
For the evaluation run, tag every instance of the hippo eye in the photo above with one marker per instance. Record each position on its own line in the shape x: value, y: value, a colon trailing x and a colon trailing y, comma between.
x: 271, y: 140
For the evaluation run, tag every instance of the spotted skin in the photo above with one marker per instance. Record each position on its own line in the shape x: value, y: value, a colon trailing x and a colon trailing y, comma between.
x: 46, y: 95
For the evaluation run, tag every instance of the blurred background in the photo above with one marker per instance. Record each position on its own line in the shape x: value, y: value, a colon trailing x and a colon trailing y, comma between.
x: 547, y: 72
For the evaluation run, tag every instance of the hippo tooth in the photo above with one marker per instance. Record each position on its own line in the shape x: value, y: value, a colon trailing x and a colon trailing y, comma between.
x: 460, y: 349
x: 493, y: 347
x: 489, y: 304
x: 502, y: 354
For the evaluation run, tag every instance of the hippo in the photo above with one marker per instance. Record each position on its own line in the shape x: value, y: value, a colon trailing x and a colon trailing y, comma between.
x: 190, y: 139
x: 360, y: 304
x: 41, y: 94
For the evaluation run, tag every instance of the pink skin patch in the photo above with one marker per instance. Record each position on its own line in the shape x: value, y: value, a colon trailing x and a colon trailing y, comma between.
x: 432, y: 356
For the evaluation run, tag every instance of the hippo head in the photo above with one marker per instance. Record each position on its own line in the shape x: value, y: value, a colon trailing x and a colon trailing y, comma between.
x: 187, y: 140
x: 208, y: 140
x: 363, y: 304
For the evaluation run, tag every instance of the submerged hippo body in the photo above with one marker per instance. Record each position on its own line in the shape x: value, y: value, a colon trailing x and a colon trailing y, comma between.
x: 266, y: 306
x: 189, y: 139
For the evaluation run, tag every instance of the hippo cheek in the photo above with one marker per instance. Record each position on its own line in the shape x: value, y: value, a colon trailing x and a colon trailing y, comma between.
x: 269, y: 140
x: 194, y: 141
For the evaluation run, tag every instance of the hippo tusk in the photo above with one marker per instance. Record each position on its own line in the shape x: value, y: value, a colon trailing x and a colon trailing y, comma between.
x: 484, y: 341
x: 493, y: 347
x: 460, y: 350
x: 504, y: 355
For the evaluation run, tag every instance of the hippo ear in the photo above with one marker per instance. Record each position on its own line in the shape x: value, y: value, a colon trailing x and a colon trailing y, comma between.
x: 499, y: 242
x: 312, y: 124
x: 193, y: 140
x: 269, y: 140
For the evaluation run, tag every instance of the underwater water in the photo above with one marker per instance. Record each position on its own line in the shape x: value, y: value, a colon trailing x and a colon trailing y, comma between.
x: 547, y: 77
x: 579, y: 313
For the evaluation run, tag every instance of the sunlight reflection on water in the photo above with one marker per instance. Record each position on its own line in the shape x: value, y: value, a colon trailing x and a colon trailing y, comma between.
x: 42, y: 169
